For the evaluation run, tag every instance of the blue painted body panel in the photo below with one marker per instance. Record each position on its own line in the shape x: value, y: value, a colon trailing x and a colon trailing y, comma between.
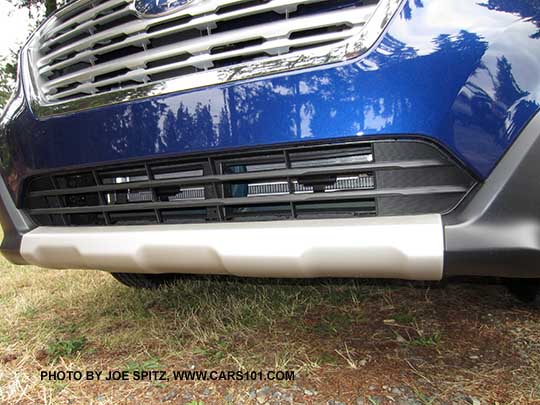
x: 464, y: 73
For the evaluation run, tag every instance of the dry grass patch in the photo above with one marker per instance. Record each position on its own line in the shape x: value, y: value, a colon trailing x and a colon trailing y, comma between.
x: 345, y: 339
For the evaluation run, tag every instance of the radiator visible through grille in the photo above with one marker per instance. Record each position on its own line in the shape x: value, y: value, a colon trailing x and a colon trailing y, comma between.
x: 323, y: 181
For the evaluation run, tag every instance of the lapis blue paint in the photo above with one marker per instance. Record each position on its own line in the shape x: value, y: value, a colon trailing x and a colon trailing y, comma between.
x: 463, y: 73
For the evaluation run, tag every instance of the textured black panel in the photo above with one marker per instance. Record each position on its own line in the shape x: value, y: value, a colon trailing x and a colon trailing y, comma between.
x: 418, y: 204
x: 395, y: 151
x: 353, y: 179
x: 422, y: 177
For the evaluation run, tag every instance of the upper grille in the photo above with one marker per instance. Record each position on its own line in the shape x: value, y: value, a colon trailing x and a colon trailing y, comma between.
x: 98, y: 47
x: 328, y: 181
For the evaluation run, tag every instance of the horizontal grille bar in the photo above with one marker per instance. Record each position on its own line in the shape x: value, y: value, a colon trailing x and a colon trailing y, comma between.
x: 95, y: 48
x: 141, y: 31
x: 140, y: 73
x: 276, y: 37
x: 304, y: 181
x: 82, y: 23
x: 266, y: 175
x: 253, y: 200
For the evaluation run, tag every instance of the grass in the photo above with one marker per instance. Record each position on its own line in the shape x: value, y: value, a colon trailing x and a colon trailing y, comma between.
x: 65, y: 348
x: 405, y: 318
x: 430, y: 340
x: 144, y: 365
x: 339, y: 337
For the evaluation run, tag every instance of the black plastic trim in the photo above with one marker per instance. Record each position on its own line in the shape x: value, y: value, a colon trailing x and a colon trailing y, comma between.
x: 429, y: 174
x: 253, y: 200
x: 14, y: 224
x: 216, y: 178
x: 343, y: 141
x: 496, y: 230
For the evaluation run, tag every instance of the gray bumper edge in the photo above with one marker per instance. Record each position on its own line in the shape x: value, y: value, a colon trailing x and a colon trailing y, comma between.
x: 497, y: 231
x: 14, y: 224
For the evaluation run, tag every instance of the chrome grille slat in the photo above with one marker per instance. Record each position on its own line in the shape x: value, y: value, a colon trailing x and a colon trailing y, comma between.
x: 98, y: 51
x: 87, y: 44
x: 89, y: 28
x: 205, y: 59
x: 204, y: 45
x: 70, y: 11
x: 82, y: 21
x: 201, y: 20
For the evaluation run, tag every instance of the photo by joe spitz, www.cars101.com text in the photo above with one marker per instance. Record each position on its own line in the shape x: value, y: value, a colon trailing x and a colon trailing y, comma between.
x: 278, y: 138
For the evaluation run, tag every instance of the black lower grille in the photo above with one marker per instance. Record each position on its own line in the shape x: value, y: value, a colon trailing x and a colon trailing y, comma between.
x: 353, y: 179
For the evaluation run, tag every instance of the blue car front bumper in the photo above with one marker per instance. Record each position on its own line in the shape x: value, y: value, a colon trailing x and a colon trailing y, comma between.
x: 470, y: 86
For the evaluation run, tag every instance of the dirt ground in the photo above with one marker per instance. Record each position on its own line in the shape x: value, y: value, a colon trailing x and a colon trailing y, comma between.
x: 353, y: 342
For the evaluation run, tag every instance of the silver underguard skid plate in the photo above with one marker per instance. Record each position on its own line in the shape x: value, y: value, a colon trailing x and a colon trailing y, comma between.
x: 410, y: 247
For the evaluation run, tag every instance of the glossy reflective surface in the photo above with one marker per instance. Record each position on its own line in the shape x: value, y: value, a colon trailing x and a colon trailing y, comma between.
x: 154, y: 7
x: 198, y: 65
x: 464, y: 73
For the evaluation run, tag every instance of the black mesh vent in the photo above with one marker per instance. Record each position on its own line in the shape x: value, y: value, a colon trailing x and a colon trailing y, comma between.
x: 355, y: 179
